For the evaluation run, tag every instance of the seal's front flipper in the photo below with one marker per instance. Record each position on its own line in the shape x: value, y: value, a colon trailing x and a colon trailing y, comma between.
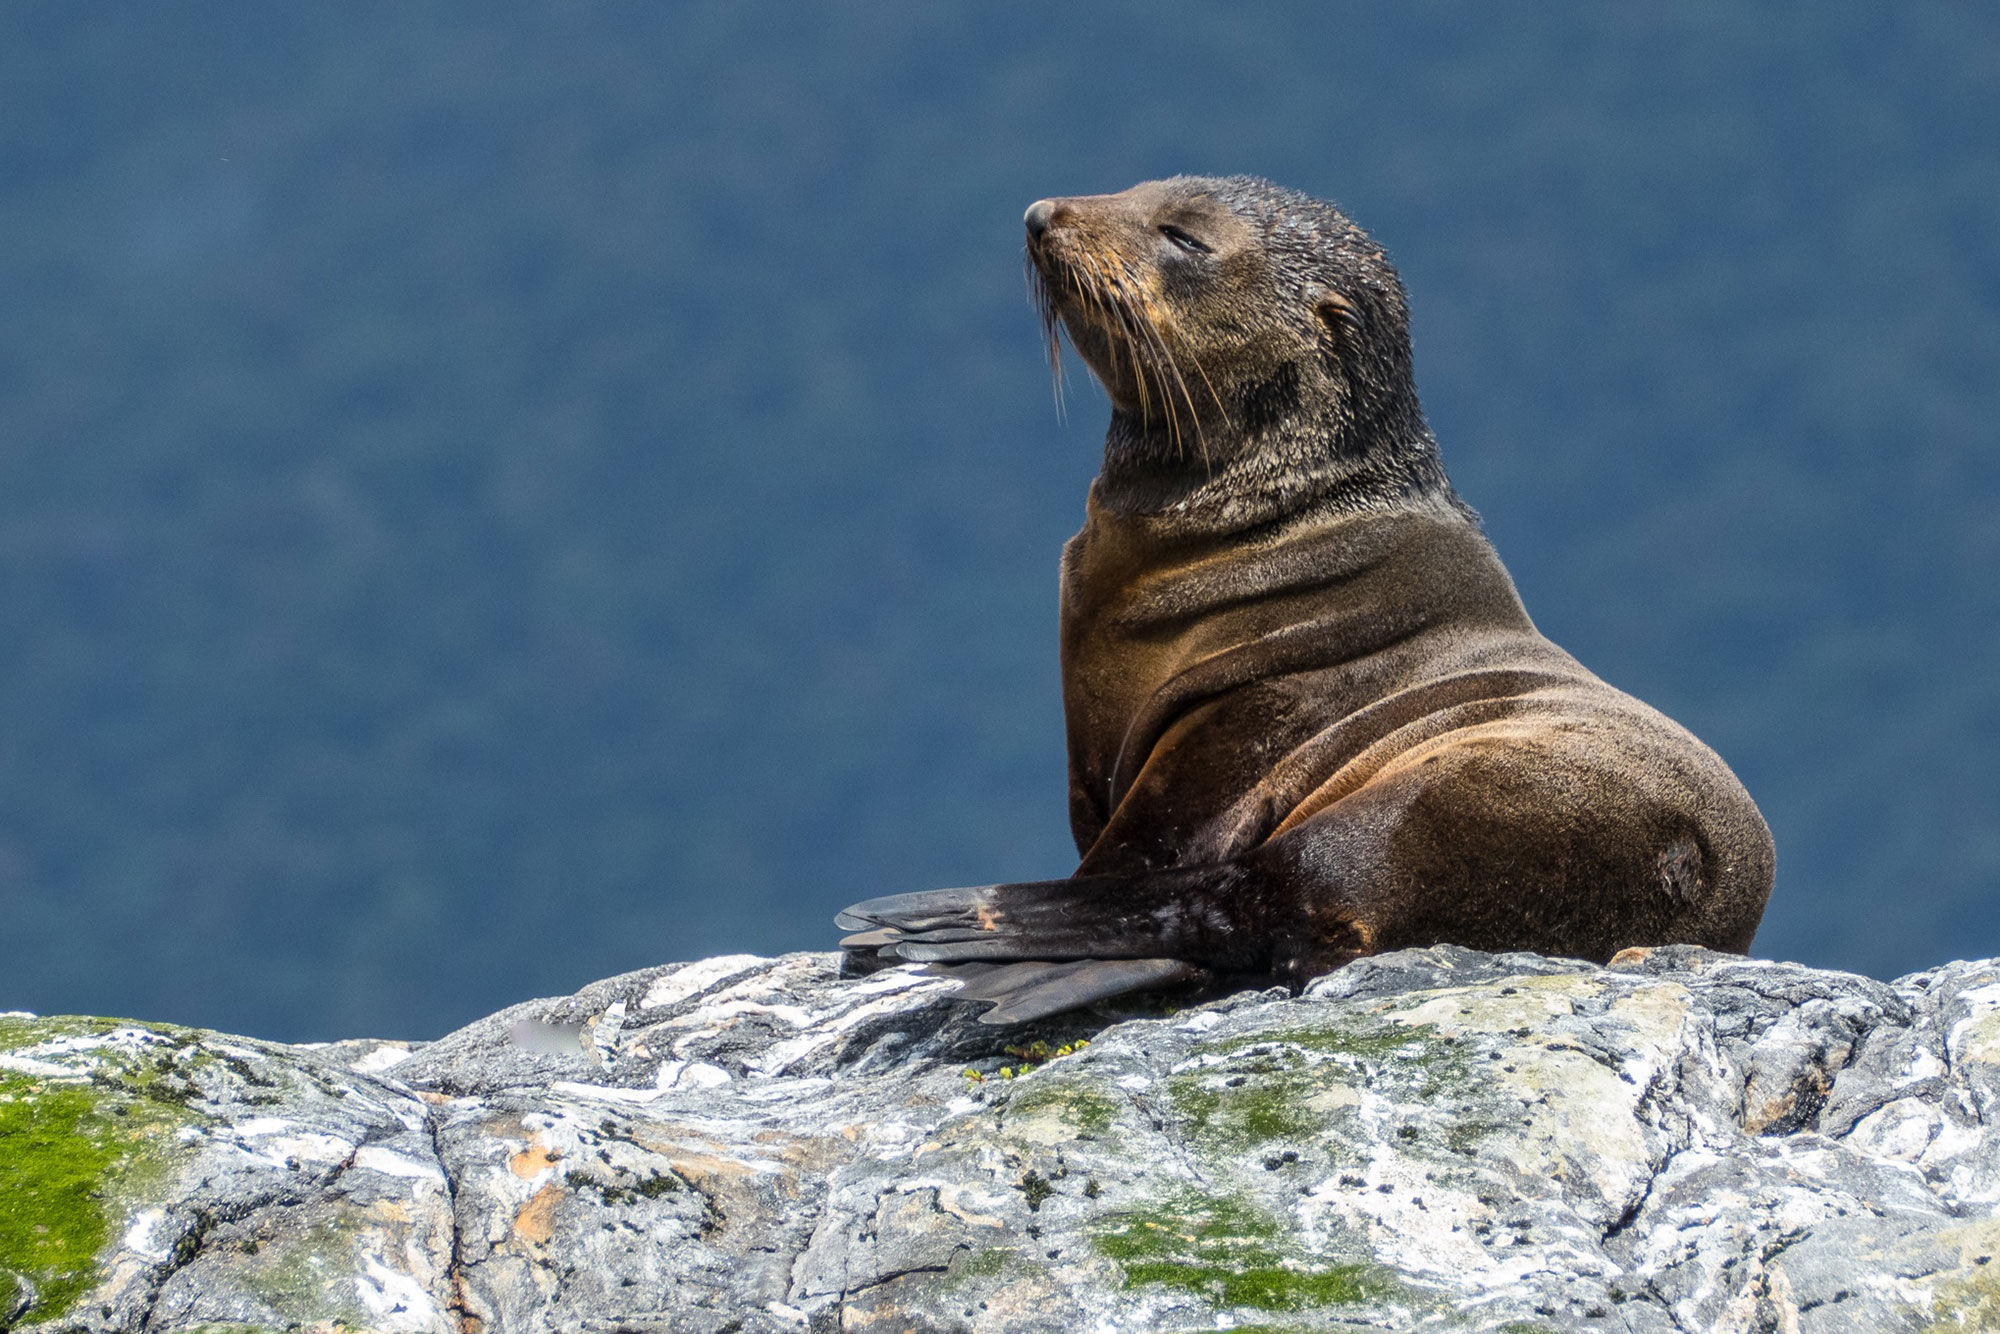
x: 1019, y: 992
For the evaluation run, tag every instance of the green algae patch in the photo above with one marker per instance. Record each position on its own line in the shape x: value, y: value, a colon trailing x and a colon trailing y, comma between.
x: 991, y: 1262
x: 1969, y: 1297
x: 1302, y: 1085
x: 982, y: 1264
x: 17, y: 1031
x: 157, y: 1062
x: 1266, y: 1289
x: 1242, y: 1116
x: 20, y: 1031
x: 1409, y: 1059
x: 1083, y: 1108
x: 52, y: 1175
x: 67, y: 1151
x: 1231, y: 1253
x: 1972, y: 1302
x: 307, y: 1277
x: 85, y: 1126
x: 1374, y: 1042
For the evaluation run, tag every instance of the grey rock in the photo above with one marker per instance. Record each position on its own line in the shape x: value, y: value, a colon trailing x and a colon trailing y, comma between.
x: 1434, y: 1139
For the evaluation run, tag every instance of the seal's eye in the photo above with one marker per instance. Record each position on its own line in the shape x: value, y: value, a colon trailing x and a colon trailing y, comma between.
x: 1185, y: 240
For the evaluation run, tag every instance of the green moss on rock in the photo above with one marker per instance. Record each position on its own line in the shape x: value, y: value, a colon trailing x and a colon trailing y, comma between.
x: 55, y: 1163
x: 981, y: 1264
x: 1414, y: 1058
x: 308, y: 1276
x: 1265, y: 1105
x: 73, y: 1150
x: 1084, y: 1108
x: 1231, y: 1253
x: 1296, y: 1084
x: 1272, y: 1288
x: 1967, y: 1303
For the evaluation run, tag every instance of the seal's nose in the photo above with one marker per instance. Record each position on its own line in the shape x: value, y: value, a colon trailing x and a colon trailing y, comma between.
x: 1037, y: 217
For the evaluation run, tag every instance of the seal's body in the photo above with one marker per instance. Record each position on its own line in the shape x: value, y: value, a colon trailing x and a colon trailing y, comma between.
x: 1308, y: 717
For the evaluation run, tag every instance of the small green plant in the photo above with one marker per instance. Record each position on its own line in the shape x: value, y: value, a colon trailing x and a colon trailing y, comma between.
x: 1031, y: 1055
x: 1037, y: 1189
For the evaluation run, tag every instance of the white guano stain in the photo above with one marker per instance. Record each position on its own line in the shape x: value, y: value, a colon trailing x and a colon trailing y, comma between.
x: 378, y: 1159
x: 396, y: 1300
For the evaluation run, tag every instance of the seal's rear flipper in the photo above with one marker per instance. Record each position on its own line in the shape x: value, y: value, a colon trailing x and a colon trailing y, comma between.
x: 1193, y: 913
x: 928, y: 909
x: 1019, y: 992
x: 1040, y: 947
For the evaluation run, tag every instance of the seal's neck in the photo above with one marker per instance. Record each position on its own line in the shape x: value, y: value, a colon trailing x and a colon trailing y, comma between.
x: 1221, y: 479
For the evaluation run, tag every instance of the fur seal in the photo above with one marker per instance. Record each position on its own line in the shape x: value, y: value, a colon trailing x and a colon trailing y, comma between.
x: 1308, y: 716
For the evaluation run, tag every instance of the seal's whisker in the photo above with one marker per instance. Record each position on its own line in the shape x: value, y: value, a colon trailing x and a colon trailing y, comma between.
x: 1045, y: 307
x: 1167, y: 364
x: 1143, y: 339
x: 1083, y: 290
x: 1172, y: 363
x: 1107, y: 292
x: 1221, y: 407
x: 1119, y: 315
x: 1163, y: 363
x: 1200, y: 436
x: 1133, y: 323
x: 1159, y: 363
x: 1166, y: 355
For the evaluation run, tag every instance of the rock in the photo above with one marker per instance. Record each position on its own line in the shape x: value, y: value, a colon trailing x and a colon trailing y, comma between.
x: 1684, y: 1141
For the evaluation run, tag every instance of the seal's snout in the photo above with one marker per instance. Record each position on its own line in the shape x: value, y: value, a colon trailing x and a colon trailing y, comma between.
x: 1039, y: 215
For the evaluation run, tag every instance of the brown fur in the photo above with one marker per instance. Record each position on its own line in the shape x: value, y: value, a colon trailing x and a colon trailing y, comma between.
x: 1308, y: 716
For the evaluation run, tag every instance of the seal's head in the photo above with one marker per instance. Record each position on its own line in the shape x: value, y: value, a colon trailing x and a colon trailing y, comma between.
x: 1254, y: 344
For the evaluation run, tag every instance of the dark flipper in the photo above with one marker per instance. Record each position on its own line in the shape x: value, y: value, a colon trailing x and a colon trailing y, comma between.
x: 1053, y: 945
x: 1197, y: 913
x: 918, y: 911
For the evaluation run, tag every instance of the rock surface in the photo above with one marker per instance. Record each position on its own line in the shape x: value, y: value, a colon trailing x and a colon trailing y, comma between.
x: 1431, y: 1139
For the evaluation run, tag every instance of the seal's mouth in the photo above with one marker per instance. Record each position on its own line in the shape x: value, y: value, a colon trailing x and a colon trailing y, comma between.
x: 1087, y: 288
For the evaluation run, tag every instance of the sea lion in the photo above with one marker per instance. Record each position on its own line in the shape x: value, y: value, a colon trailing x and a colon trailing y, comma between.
x: 1308, y: 716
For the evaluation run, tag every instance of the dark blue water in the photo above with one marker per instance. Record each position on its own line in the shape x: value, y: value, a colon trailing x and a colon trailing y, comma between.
x: 493, y: 496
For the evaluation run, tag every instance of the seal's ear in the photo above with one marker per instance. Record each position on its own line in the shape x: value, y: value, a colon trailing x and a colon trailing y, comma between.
x: 1339, y: 315
x: 1342, y: 324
